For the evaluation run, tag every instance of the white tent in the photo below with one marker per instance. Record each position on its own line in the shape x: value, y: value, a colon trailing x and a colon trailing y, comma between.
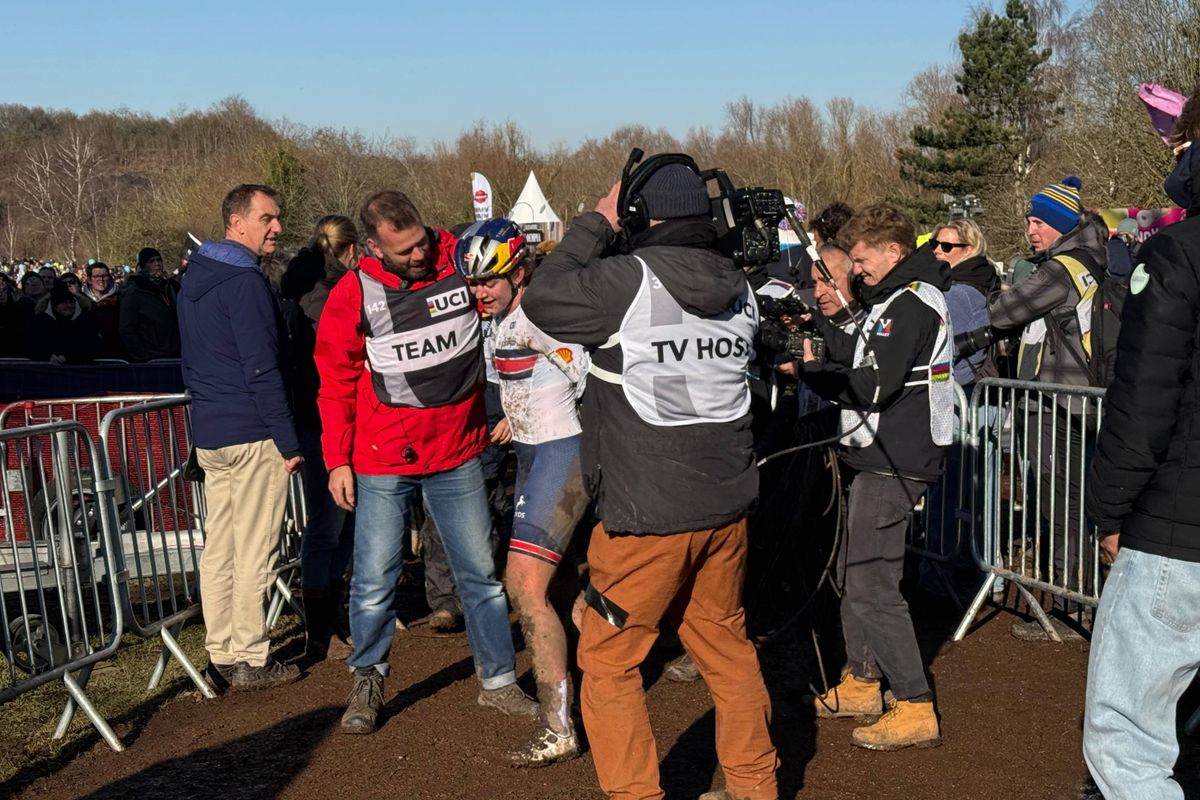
x: 532, y: 208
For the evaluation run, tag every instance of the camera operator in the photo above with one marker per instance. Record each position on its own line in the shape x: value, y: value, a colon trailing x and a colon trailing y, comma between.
x: 666, y: 453
x: 829, y: 297
x: 896, y: 372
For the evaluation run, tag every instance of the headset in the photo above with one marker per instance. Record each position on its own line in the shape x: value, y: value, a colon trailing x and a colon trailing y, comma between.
x: 631, y: 207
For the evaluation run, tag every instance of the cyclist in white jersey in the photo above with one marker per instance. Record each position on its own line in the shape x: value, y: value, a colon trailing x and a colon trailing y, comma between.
x: 541, y: 381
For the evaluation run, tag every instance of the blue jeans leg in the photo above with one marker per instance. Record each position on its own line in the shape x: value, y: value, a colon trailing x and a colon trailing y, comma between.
x: 1145, y: 652
x: 328, y: 539
x: 457, y: 501
x: 381, y: 522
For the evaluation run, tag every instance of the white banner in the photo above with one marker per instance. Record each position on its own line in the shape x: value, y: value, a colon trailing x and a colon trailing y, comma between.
x: 481, y: 196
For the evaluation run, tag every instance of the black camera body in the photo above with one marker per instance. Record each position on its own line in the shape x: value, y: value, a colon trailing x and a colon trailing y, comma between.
x: 780, y: 337
x: 748, y: 222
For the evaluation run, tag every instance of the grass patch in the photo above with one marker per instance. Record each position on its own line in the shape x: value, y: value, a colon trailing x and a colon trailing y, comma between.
x: 118, y: 690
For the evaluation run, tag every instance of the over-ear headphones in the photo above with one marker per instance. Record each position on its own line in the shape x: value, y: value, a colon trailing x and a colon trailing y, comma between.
x: 630, y: 205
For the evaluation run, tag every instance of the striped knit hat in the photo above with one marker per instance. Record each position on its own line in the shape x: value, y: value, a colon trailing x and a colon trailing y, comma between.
x: 1058, y: 204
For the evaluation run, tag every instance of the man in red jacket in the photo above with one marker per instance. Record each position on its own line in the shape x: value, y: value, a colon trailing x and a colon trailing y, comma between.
x: 401, y: 401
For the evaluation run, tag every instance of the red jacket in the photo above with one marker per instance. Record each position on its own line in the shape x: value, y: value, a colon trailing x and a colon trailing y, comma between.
x: 359, y: 430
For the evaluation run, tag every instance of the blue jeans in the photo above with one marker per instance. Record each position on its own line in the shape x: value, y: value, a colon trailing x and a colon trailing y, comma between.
x: 328, y: 540
x: 1145, y: 652
x: 457, y: 500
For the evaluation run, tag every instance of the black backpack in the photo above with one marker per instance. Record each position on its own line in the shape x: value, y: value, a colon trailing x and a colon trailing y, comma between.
x: 1107, y: 304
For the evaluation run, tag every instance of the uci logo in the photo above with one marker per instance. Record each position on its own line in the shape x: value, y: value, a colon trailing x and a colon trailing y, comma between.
x: 449, y: 301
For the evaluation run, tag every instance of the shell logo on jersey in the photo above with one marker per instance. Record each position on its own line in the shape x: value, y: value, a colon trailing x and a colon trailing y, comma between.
x: 565, y: 354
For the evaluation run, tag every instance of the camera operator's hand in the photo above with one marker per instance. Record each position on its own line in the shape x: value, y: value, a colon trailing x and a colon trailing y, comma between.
x: 608, y: 207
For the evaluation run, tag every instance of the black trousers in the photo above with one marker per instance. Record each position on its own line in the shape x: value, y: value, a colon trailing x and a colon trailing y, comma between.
x: 880, y: 641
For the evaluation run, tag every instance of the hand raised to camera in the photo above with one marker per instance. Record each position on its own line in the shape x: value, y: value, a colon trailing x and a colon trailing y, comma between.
x: 607, y: 206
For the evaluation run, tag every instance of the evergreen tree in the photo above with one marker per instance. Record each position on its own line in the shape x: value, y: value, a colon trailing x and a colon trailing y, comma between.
x: 993, y: 136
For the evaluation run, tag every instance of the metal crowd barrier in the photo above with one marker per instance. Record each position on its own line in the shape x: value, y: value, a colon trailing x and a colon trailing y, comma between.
x: 287, y: 571
x: 60, y: 613
x: 160, y: 526
x: 1027, y: 493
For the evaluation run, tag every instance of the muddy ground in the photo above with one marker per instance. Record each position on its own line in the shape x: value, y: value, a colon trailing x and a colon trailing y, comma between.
x: 1011, y: 714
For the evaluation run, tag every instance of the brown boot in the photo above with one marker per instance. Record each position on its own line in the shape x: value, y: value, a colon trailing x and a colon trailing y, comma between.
x: 906, y: 724
x: 853, y: 697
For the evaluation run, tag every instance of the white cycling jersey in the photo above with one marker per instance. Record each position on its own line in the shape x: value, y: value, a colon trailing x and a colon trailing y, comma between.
x: 541, y: 379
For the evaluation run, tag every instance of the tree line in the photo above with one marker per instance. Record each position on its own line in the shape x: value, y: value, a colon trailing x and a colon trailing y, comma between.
x: 1035, y: 95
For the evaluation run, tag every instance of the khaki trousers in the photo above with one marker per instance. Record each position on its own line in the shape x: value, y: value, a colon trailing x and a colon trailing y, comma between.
x: 695, y: 580
x: 245, y: 491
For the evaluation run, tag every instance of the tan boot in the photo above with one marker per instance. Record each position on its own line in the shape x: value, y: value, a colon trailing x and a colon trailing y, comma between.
x: 852, y: 697
x: 906, y: 724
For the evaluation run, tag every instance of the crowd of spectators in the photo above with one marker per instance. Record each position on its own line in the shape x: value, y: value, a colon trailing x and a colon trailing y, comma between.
x: 78, y: 314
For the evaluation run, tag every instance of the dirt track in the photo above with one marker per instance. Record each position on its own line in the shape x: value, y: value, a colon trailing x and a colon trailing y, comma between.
x: 1010, y: 711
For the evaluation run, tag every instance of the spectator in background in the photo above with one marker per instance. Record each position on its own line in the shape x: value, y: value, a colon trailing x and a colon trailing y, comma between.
x: 328, y: 541
x: 34, y: 286
x: 1121, y: 249
x: 102, y: 299
x: 12, y: 322
x: 973, y: 280
x: 62, y: 333
x: 243, y: 433
x: 148, y: 324
x: 825, y: 225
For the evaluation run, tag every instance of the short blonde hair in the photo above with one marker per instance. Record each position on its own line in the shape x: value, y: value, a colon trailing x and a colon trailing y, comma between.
x: 968, y: 231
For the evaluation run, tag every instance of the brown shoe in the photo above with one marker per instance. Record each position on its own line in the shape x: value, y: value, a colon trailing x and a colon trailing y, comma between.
x: 853, y: 697
x: 906, y: 724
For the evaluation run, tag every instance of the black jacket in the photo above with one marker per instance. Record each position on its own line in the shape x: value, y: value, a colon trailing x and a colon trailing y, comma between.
x: 903, y: 444
x: 646, y: 479
x: 305, y: 287
x: 1145, y: 478
x: 75, y: 337
x: 149, y: 326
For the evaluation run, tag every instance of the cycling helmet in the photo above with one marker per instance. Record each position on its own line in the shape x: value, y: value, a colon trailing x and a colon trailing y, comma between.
x: 490, y: 249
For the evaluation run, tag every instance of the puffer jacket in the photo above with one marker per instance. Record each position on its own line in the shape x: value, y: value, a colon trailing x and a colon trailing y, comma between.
x: 1049, y: 292
x: 1145, y: 477
x: 646, y: 479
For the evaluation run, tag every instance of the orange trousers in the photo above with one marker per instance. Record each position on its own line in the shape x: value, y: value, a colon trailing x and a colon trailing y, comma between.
x: 694, y: 580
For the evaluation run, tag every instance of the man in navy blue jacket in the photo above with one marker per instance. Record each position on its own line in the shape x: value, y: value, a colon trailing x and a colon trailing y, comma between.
x: 230, y: 330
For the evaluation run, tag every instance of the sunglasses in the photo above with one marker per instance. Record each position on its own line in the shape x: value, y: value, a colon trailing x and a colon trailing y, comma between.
x: 948, y: 246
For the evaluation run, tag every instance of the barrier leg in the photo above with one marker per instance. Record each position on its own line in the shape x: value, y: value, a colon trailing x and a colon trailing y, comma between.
x: 282, y: 594
x: 101, y: 726
x: 1036, y: 609
x: 973, y: 609
x: 68, y: 712
x: 160, y: 667
x: 172, y: 645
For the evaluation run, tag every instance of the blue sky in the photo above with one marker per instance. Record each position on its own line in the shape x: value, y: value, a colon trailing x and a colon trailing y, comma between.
x: 563, y: 71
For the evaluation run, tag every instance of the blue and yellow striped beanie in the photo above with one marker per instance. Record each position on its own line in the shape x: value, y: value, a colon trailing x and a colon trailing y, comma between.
x: 1058, y: 205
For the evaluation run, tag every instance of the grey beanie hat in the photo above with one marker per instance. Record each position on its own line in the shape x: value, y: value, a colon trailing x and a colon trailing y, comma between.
x: 674, y: 192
